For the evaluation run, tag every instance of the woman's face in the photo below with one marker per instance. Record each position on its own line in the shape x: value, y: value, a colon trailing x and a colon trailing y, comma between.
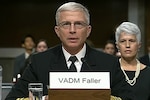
x: 128, y: 45
x: 41, y: 46
x: 109, y: 48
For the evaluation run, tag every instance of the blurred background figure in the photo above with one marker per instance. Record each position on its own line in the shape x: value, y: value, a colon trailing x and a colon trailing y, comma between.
x: 145, y: 59
x: 42, y: 45
x: 28, y: 43
x: 110, y: 47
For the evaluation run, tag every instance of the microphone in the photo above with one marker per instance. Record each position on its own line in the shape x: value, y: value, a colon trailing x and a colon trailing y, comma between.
x: 84, y: 61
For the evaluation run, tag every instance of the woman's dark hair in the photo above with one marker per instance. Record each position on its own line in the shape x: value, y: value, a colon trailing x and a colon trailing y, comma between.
x: 43, y: 40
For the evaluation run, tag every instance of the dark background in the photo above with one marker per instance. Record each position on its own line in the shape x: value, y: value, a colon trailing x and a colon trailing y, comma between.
x: 37, y: 17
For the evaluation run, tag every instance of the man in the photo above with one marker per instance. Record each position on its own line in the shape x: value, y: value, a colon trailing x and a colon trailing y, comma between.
x: 28, y: 44
x: 146, y: 58
x: 73, y: 28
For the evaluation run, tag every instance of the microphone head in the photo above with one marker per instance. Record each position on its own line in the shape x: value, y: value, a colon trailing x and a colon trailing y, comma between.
x: 83, y: 60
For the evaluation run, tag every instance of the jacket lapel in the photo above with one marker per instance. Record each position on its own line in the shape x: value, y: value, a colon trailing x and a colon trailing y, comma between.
x: 59, y: 61
x: 89, y: 63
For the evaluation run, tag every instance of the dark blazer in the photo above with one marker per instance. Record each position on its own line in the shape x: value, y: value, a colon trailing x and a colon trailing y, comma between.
x: 145, y: 60
x: 19, y: 63
x: 53, y: 60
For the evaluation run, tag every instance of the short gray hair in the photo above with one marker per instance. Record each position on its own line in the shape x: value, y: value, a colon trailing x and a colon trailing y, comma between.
x: 72, y: 6
x: 129, y: 28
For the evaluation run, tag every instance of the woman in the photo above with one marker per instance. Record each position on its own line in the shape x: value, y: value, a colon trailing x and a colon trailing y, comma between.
x: 110, y: 47
x: 42, y: 45
x: 128, y: 41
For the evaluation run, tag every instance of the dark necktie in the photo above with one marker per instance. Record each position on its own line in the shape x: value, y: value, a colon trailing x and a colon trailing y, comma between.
x: 72, y: 66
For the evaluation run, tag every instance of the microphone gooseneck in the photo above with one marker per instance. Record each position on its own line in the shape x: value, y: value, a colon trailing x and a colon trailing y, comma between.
x: 84, y: 61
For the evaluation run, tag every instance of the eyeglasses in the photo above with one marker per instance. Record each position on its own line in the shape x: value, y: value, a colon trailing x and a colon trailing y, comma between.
x: 77, y: 25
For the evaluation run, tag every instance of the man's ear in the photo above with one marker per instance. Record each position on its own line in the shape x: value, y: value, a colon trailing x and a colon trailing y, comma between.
x: 89, y: 30
x: 22, y: 45
x: 56, y: 30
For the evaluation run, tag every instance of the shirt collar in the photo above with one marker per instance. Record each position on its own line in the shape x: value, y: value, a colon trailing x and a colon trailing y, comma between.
x: 79, y: 55
x: 26, y: 55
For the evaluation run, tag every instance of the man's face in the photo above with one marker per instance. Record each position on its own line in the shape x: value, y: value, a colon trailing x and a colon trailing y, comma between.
x: 72, y: 29
x: 28, y: 43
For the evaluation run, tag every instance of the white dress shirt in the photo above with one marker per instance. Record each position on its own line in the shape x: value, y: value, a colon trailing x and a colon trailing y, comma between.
x: 26, y: 55
x: 79, y: 55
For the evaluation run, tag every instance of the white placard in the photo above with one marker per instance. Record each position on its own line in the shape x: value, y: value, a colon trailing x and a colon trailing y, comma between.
x: 79, y: 80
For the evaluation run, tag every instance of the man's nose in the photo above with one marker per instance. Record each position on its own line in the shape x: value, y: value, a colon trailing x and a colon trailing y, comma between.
x: 72, y: 28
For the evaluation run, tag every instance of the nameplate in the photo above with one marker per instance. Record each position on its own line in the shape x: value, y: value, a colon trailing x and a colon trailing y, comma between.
x: 79, y: 80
